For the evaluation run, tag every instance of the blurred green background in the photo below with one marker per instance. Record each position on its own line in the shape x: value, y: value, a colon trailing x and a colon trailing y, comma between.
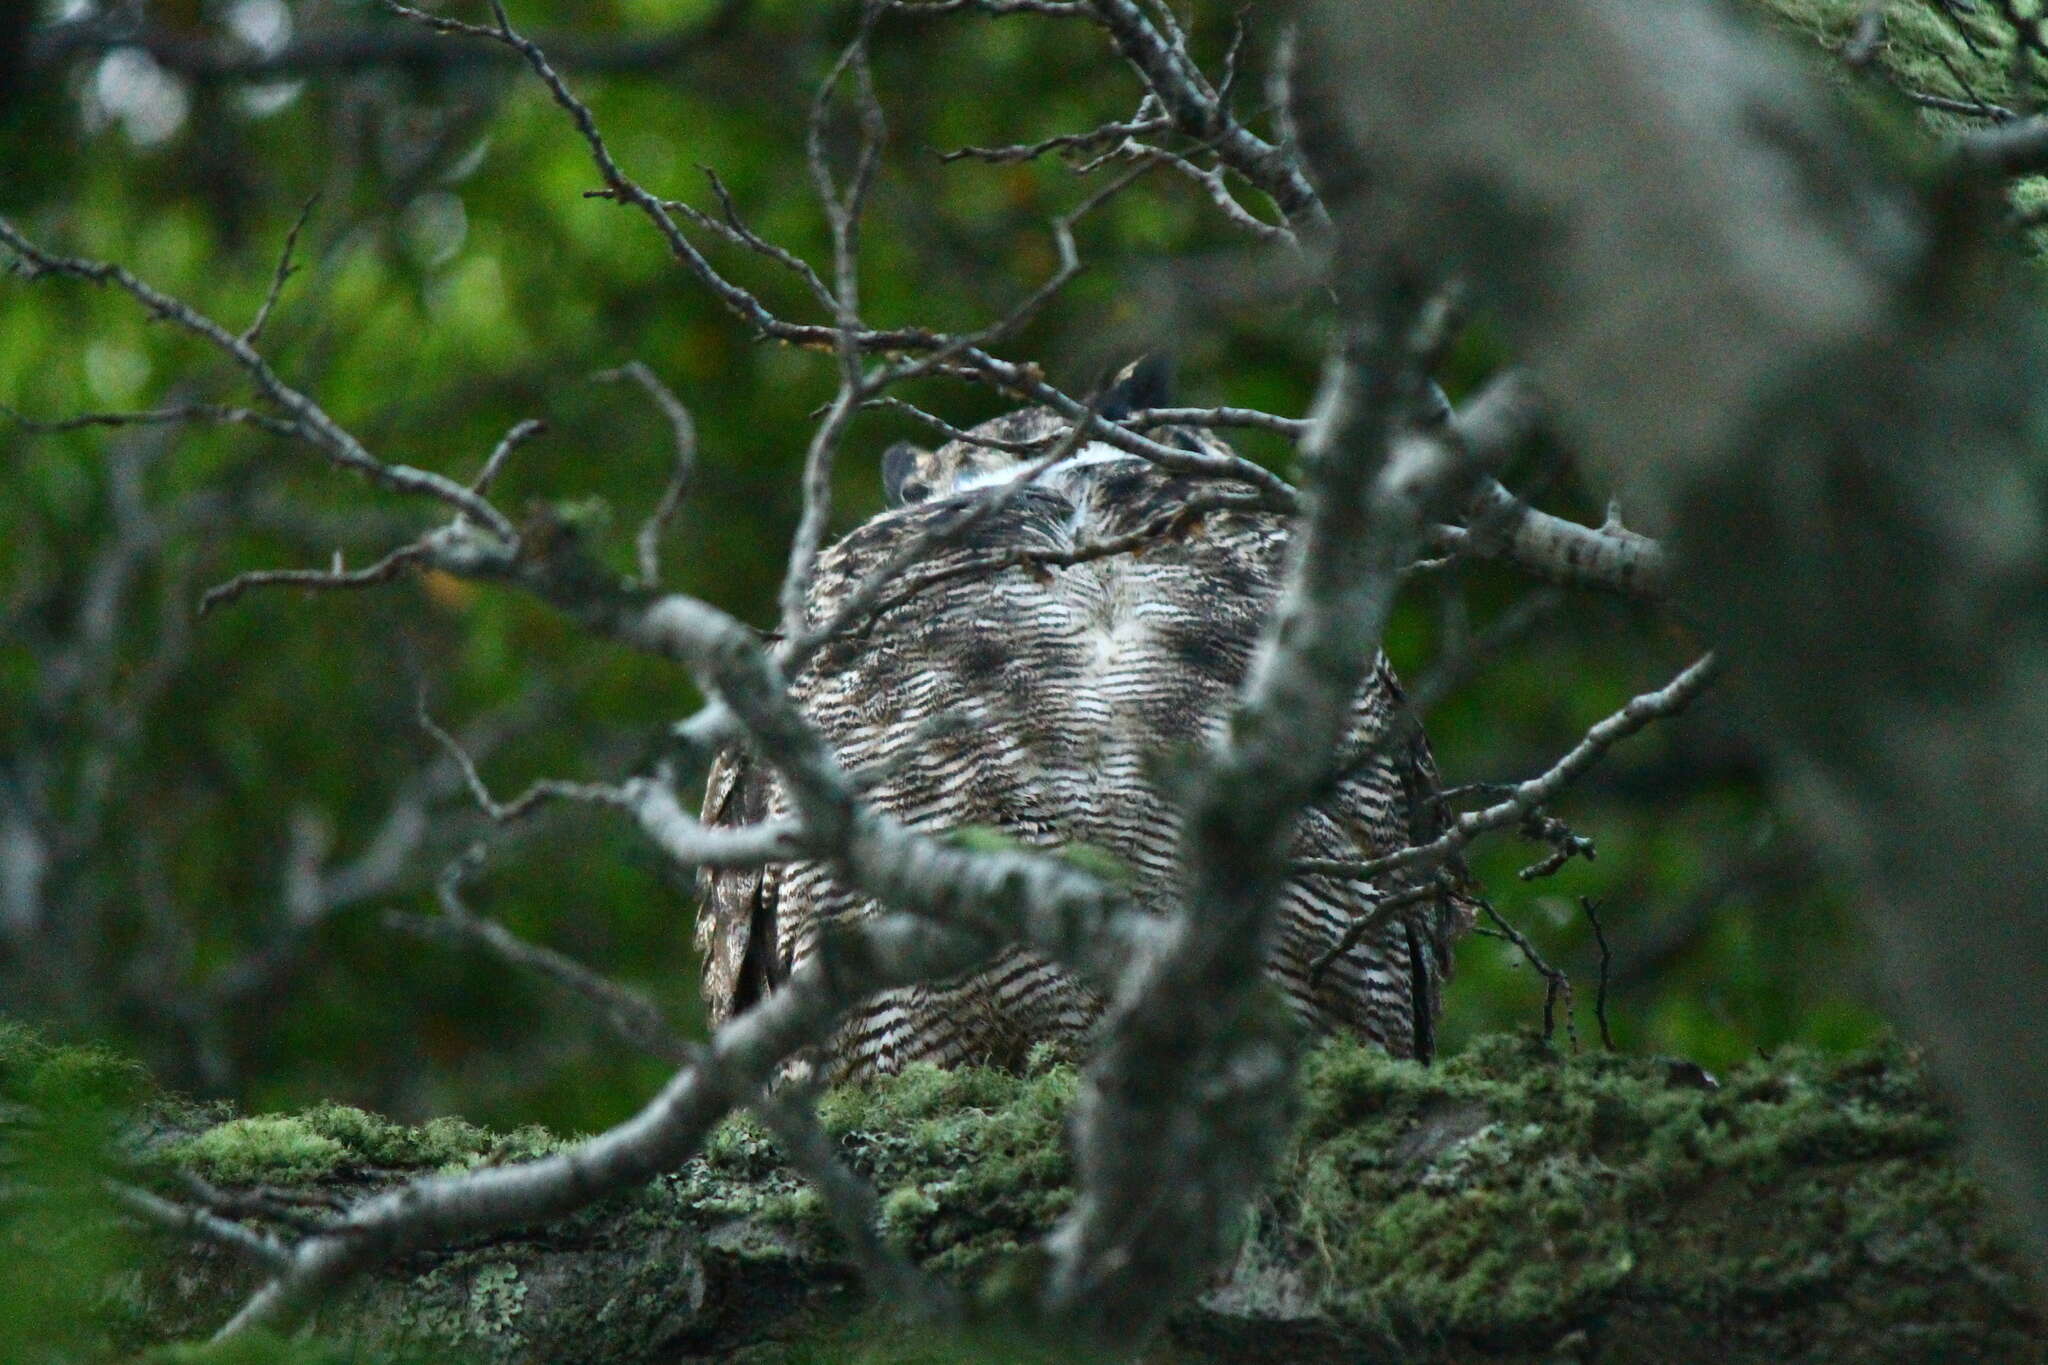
x: 203, y: 823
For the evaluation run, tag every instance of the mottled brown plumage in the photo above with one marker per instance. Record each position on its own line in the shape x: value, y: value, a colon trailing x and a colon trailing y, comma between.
x: 1047, y: 702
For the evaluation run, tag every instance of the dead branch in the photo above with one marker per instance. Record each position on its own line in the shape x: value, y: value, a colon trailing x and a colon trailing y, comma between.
x: 647, y: 544
x: 1528, y: 796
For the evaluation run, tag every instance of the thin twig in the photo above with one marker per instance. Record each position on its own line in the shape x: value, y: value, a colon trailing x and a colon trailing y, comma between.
x: 682, y: 474
x: 1592, y: 909
x: 1142, y: 125
x: 285, y: 270
x: 264, y: 1250
x: 632, y: 1016
x: 1557, y: 986
x: 648, y: 799
x: 181, y: 412
x: 1537, y: 791
x: 494, y: 465
x: 844, y: 209
x: 384, y: 570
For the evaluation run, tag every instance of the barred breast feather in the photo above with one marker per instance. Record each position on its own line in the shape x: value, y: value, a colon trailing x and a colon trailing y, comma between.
x: 1046, y: 702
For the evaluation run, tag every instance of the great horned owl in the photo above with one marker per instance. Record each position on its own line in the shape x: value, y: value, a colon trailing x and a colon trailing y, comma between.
x: 1047, y: 702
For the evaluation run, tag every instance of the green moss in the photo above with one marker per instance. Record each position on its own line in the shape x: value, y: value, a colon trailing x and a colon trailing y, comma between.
x: 905, y: 1207
x: 973, y: 1162
x: 335, y: 1137
x: 1922, y: 52
x: 1508, y: 1198
x: 1508, y: 1195
x: 269, y: 1148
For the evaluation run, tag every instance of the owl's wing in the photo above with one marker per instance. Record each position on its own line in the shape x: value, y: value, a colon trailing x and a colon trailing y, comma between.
x: 736, y: 928
x: 1392, y: 799
x: 1440, y: 922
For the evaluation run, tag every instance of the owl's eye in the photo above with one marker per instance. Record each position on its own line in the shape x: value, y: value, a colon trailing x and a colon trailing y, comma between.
x: 914, y: 491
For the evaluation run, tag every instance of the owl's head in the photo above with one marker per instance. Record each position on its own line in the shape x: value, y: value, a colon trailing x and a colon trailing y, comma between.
x: 1002, y: 448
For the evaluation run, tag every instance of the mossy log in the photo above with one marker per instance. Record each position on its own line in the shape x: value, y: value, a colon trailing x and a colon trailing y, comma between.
x: 1510, y: 1204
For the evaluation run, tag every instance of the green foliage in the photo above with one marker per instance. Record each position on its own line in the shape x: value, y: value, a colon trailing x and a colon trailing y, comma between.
x: 64, y: 1253
x: 332, y: 1137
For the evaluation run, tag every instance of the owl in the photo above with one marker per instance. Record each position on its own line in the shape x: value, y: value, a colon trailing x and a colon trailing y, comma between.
x: 1014, y: 682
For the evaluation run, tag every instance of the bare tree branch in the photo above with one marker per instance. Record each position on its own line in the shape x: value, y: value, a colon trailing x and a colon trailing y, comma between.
x: 1524, y: 797
x: 843, y: 212
x: 630, y: 1015
x: 519, y: 435
x: 309, y: 420
x: 1502, y: 526
x: 182, y: 412
x: 264, y: 1250
x: 1199, y: 113
x: 383, y: 571
x: 1022, y: 380
x: 647, y: 544
x: 285, y: 270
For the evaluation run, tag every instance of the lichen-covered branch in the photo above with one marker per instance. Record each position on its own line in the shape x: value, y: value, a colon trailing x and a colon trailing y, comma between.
x: 1502, y: 526
x: 741, y: 1059
x: 1201, y: 113
x: 1509, y: 1205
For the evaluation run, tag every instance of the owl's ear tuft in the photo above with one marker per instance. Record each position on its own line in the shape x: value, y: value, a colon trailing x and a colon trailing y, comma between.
x: 1145, y: 383
x: 899, y: 464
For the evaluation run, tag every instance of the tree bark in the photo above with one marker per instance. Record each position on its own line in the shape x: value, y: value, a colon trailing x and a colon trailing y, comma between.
x: 1510, y: 1205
